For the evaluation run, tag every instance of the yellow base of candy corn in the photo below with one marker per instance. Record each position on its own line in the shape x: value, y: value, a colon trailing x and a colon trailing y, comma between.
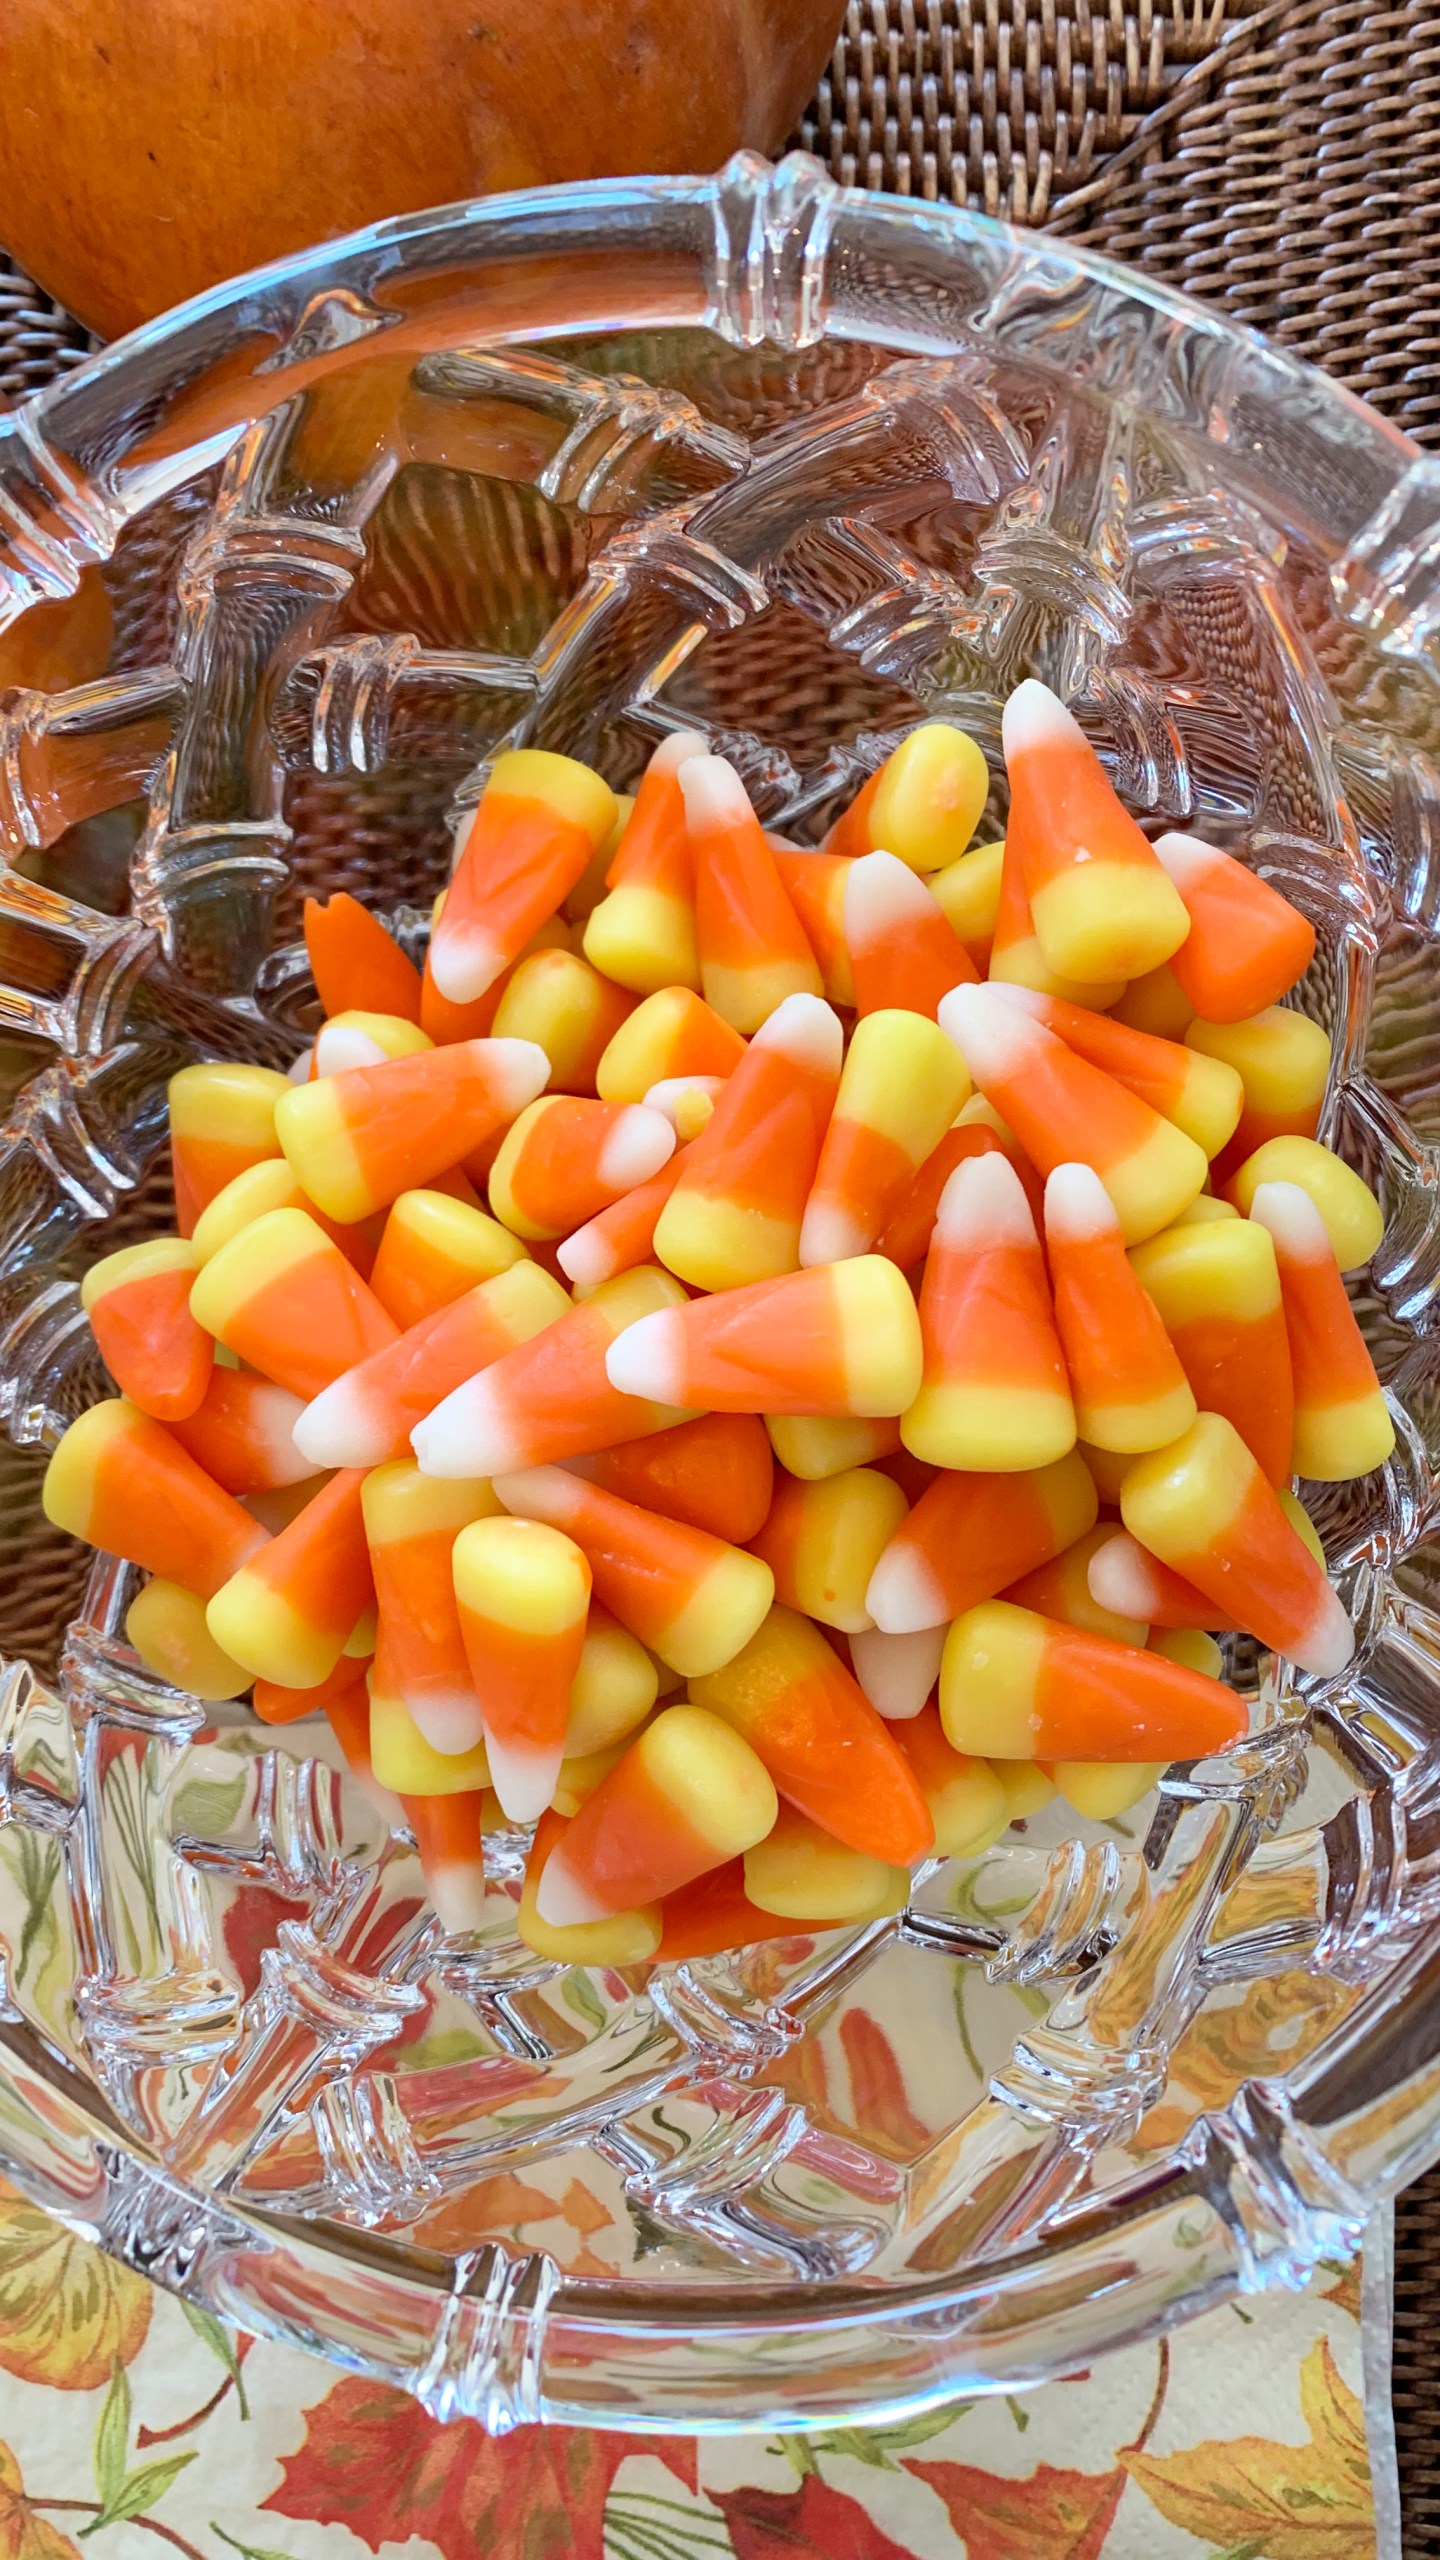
x: 1027, y: 1787
x: 1334, y: 1443
x: 1108, y: 920
x: 167, y: 1627
x: 849, y: 1521
x: 1102, y: 1789
x: 1191, y: 1647
x: 580, y: 1777
x: 931, y: 796
x: 1151, y: 1186
x: 644, y: 940
x: 800, y: 1873
x: 1132, y: 1428
x: 1108, y: 1469
x: 969, y: 1810
x: 815, y: 1445
x: 611, y: 1694
x: 717, y: 1244
x: 1156, y: 1003
x: 1023, y: 964
x: 265, y: 1631
x: 747, y: 997
x: 997, y: 1430
x: 967, y: 892
x: 1351, y: 1212
x: 1302, y: 1524
x: 402, y: 1759
x: 719, y: 1618
x: 989, y: 1674
x: 631, y: 1937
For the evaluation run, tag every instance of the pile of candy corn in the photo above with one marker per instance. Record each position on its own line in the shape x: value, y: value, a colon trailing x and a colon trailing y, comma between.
x: 908, y: 1284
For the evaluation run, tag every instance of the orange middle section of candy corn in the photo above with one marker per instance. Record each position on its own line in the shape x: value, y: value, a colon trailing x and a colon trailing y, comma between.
x: 970, y: 1535
x: 692, y: 1599
x: 283, y: 1298
x: 357, y: 1140
x: 288, y: 1611
x: 1126, y: 1378
x: 369, y: 1413
x: 222, y: 1120
x: 523, y: 1592
x: 1342, y: 1425
x: 355, y: 962
x: 243, y: 1433
x: 687, y: 1796
x: 1246, y: 945
x: 735, y: 1212
x: 995, y: 1394
x: 411, y: 1524
x: 673, y: 1033
x: 565, y: 1159
x: 552, y: 1397
x: 138, y: 1303
x: 903, y: 948
x: 1217, y: 1290
x: 1204, y: 1508
x: 433, y: 1248
x: 717, y: 1472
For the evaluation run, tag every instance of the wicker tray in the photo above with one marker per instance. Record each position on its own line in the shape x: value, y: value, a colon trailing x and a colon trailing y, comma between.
x: 1278, y: 157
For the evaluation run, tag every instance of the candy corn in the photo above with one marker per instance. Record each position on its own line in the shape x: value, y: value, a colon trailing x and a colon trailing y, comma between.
x: 1124, y: 1579
x: 357, y: 1140
x: 276, y: 1704
x: 355, y: 962
x: 1016, y: 958
x: 1351, y: 1212
x: 822, y: 1542
x: 556, y: 999
x: 284, y: 1299
x: 905, y: 1237
x: 368, y: 1413
x: 843, y: 1340
x: 924, y: 804
x: 357, y: 1039
x: 623, y: 1938
x: 970, y: 1535
x: 432, y: 1250
x: 814, y: 883
x: 1129, y: 1388
x: 551, y: 1397
x: 1156, y: 1003
x: 967, y: 893
x: 643, y: 934
x: 693, y: 1600
x: 565, y: 1159
x: 903, y: 949
x: 800, y: 1873
x: 897, y: 1672
x: 687, y: 1795
x: 995, y: 1394
x: 753, y: 951
x: 1217, y: 1292
x: 1190, y: 1645
x: 1063, y: 1110
x: 402, y: 1757
x: 614, y: 1688
x: 272, y: 1185
x: 1283, y: 1062
x: 1062, y: 1589
x: 713, y: 1914
x: 243, y: 1433
x: 121, y: 1482
x: 1200, y: 1094
x: 1204, y: 1508
x: 735, y: 1212
x: 828, y: 1752
x: 1246, y: 945
x: 901, y: 1086
x: 1102, y: 1790
x: 673, y: 1033
x: 1020, y: 1687
x: 411, y: 1524
x: 447, y: 1838
x: 523, y: 1591
x: 538, y: 823
x: 688, y: 1102
x: 222, y: 1118
x: 716, y: 1473
x: 166, y: 1625
x: 1103, y: 907
x: 138, y: 1303
x: 1342, y: 1425
x: 622, y: 1236
x: 288, y: 1611
x: 968, y: 1805
x: 814, y: 1445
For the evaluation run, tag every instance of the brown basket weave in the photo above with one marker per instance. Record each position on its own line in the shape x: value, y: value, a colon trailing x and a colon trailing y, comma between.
x: 1280, y: 158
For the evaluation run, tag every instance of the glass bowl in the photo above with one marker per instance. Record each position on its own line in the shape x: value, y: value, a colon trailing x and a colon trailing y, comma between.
x: 279, y: 574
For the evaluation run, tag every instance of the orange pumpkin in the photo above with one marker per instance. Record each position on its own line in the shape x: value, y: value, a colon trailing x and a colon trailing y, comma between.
x: 149, y: 148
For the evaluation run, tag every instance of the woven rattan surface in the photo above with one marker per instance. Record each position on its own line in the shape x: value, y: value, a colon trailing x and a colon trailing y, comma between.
x: 1278, y: 157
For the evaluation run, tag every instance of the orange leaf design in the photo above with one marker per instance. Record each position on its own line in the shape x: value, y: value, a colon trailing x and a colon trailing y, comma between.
x: 24, y: 2535
x: 813, y: 2522
x: 66, y: 2310
x: 877, y: 2087
x: 374, y: 2461
x: 1052, y: 2515
x: 1294, y: 2502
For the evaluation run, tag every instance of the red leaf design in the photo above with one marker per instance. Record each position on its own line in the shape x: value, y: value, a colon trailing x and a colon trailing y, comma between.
x: 1053, y: 2515
x: 373, y: 2460
x: 813, y: 2522
x: 877, y: 2086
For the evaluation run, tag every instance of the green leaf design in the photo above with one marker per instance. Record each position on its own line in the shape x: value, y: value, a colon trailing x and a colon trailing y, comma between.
x: 140, y: 2489
x: 39, y: 1874
x: 579, y: 1993
x: 247, y: 2550
x: 206, y: 1807
x: 112, y: 2437
x: 221, y: 2345
x: 799, y: 2452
